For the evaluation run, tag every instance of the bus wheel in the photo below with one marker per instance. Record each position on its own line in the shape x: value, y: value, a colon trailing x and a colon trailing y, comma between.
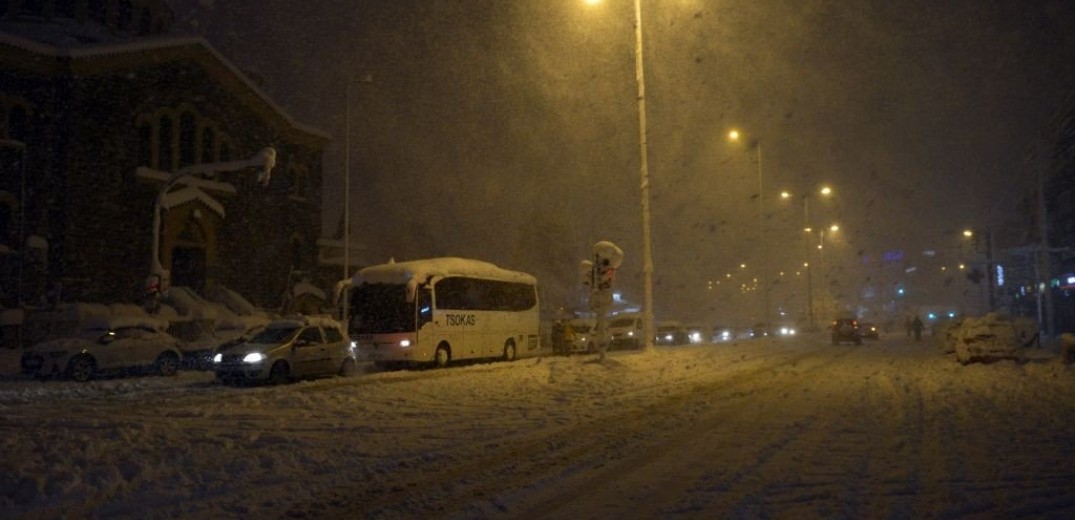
x: 509, y: 351
x: 442, y: 357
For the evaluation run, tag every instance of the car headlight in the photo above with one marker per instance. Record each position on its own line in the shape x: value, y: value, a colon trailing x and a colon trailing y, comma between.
x: 254, y: 357
x: 218, y: 358
x: 405, y: 343
x: 631, y: 333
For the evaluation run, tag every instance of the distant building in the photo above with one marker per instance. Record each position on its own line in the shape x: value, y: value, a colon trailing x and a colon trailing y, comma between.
x: 1024, y: 270
x: 98, y: 106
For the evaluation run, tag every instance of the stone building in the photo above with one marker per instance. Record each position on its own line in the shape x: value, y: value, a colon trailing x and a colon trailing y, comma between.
x: 99, y: 106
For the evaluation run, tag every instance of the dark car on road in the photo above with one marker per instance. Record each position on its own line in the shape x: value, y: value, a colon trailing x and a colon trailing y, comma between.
x: 869, y: 331
x: 846, y: 330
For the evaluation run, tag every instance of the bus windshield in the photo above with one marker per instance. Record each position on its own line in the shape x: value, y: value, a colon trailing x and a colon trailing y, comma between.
x: 378, y: 308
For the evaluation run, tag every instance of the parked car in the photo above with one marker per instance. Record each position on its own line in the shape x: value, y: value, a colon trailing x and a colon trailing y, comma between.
x: 846, y: 330
x: 625, y: 331
x: 106, y: 345
x: 580, y: 335
x: 288, y: 348
x: 671, y: 333
x: 870, y: 330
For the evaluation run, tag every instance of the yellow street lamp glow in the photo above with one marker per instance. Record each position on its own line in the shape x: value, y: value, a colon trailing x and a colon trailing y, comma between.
x: 592, y: 2
x: 733, y: 135
x: 834, y: 228
x: 785, y: 195
x: 808, y: 230
x: 825, y: 190
x: 968, y: 233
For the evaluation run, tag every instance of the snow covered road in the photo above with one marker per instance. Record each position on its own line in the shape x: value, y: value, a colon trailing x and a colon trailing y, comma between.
x: 751, y: 429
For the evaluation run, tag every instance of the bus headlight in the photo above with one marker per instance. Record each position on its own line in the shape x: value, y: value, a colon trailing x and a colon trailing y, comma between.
x: 218, y: 358
x: 254, y: 357
x: 405, y: 343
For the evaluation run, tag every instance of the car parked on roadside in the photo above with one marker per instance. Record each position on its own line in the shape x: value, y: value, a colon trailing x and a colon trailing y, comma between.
x: 580, y: 335
x: 296, y: 347
x: 671, y: 333
x: 106, y: 345
x: 846, y: 330
x: 625, y: 331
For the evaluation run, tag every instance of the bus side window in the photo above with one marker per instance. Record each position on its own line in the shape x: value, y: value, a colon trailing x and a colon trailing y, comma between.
x: 425, y: 306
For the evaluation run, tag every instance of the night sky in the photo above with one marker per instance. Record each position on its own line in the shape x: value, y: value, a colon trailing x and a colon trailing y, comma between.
x: 508, y: 130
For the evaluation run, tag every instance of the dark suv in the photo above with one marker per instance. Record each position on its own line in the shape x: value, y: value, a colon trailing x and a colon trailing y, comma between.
x: 846, y: 329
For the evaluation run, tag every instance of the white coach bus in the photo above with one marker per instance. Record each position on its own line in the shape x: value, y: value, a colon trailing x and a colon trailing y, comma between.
x: 441, y: 310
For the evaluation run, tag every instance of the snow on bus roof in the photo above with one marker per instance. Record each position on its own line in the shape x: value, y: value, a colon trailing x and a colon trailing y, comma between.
x: 421, y: 270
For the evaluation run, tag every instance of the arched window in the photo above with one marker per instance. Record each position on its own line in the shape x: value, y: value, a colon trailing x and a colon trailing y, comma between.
x: 64, y: 8
x: 7, y: 223
x: 296, y: 253
x: 299, y: 181
x: 33, y: 7
x: 208, y: 145
x: 145, y: 144
x: 124, y: 15
x: 18, y: 123
x: 145, y: 22
x: 164, y: 155
x: 96, y: 10
x: 187, y: 139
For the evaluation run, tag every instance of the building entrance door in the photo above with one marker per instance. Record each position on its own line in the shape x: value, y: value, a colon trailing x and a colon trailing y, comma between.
x: 188, y: 267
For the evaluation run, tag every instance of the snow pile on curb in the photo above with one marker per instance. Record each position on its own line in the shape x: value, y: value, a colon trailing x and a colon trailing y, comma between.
x: 990, y: 338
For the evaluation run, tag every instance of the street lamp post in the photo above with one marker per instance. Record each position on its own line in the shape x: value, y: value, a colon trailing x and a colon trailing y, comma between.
x: 643, y: 145
x: 734, y: 136
x: 808, y: 229
x: 344, y: 306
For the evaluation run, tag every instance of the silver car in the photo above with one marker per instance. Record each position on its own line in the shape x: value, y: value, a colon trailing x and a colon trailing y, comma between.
x: 300, y: 347
x: 116, y: 344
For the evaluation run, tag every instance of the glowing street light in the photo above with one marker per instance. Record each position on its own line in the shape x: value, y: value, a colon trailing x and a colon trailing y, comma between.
x: 734, y: 136
x: 808, y: 229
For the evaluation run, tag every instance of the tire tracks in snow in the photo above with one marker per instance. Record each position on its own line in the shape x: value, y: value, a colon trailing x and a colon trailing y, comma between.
x: 618, y: 445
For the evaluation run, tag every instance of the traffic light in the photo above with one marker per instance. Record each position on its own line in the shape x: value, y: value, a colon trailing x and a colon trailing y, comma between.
x: 586, y: 273
x: 607, y: 257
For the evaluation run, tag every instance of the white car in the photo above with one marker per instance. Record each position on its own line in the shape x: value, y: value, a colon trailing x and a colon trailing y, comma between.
x: 115, y: 344
x: 581, y: 335
x: 625, y: 331
x: 288, y: 348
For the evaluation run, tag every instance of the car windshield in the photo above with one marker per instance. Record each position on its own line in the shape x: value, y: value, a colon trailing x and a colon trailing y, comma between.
x: 275, y: 335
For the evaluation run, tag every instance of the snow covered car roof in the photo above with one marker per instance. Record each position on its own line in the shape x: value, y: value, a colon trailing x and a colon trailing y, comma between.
x: 291, y: 322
